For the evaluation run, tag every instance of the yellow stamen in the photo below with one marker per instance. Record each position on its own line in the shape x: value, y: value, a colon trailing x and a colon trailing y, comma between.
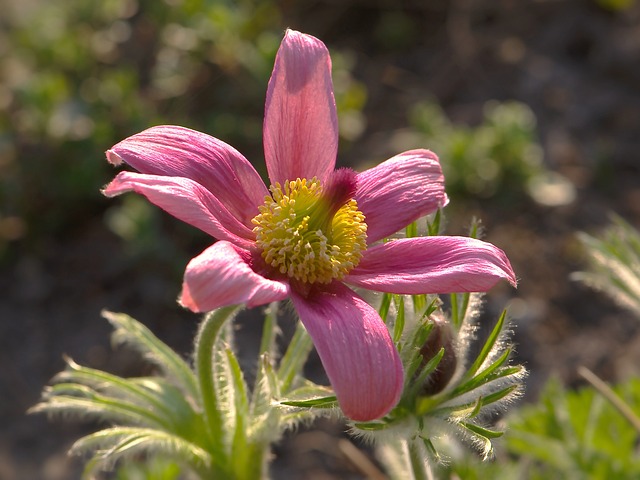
x: 299, y: 237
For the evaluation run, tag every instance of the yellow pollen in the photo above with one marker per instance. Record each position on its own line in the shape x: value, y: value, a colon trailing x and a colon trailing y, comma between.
x: 299, y: 237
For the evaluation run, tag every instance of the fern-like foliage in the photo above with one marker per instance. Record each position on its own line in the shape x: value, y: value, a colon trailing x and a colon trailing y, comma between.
x: 614, y: 263
x: 566, y: 434
x: 202, y: 416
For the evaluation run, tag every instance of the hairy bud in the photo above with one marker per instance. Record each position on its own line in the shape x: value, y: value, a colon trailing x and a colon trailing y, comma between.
x: 441, y: 336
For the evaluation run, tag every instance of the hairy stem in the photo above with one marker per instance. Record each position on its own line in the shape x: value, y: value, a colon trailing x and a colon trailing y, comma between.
x: 417, y: 457
x: 204, y: 353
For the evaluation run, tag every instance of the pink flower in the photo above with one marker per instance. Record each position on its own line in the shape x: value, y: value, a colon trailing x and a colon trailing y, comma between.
x: 315, y: 230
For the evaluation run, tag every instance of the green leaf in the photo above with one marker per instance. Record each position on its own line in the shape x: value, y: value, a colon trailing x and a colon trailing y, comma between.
x: 458, y: 412
x: 306, y: 403
x: 483, y: 432
x: 411, y: 230
x: 271, y: 376
x: 371, y: 426
x: 614, y: 258
x: 467, y: 410
x: 431, y: 449
x: 487, y: 347
x: 482, y: 438
x: 552, y: 452
x: 499, y: 395
x: 179, y: 410
x: 239, y: 446
x: 433, y: 227
x: 385, y: 305
x: 154, y: 467
x: 410, y: 354
x: 416, y: 385
x: 269, y: 331
x: 264, y: 424
x: 115, y: 386
x: 459, y: 307
x: 238, y: 383
x: 117, y: 443
x: 474, y: 230
x: 569, y: 433
x: 419, y: 303
x: 491, y: 373
x: 422, y: 334
x: 262, y: 393
x: 130, y: 331
x: 82, y: 400
x: 398, y: 326
x: 322, y: 402
x: 431, y: 308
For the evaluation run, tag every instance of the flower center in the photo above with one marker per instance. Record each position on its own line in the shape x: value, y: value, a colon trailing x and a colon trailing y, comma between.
x: 310, y: 236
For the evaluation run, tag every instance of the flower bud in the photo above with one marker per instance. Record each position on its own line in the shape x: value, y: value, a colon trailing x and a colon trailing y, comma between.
x: 441, y: 336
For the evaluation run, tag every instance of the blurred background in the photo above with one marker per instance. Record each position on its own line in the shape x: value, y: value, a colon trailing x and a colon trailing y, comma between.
x: 532, y: 105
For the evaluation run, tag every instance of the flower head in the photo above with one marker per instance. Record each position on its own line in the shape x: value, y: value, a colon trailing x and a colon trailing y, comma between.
x: 314, y: 230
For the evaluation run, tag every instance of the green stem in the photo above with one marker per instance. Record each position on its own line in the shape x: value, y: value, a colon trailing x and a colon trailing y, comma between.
x: 417, y: 458
x: 255, y: 467
x: 455, y: 315
x: 204, y: 353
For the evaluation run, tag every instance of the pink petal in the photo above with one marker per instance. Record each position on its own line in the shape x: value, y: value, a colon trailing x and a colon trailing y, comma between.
x: 187, y: 200
x: 301, y: 123
x: 399, y: 191
x: 221, y: 276
x: 180, y: 152
x: 413, y: 266
x: 356, y: 350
